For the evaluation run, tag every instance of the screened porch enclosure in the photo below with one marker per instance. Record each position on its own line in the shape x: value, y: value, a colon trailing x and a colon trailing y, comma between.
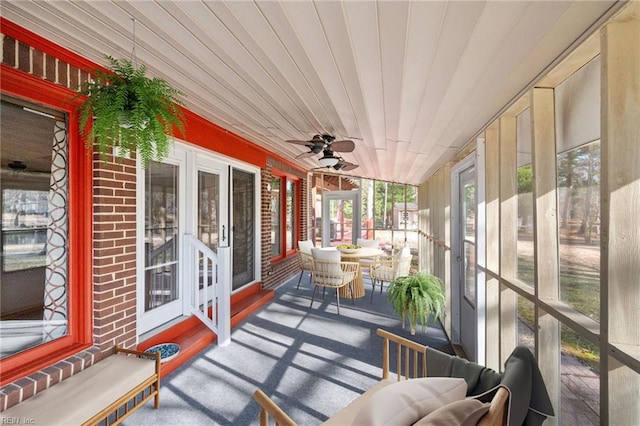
x: 557, y: 262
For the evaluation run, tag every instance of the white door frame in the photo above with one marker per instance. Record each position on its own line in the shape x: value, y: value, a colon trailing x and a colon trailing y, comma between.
x: 257, y: 219
x: 353, y: 196
x: 475, y: 159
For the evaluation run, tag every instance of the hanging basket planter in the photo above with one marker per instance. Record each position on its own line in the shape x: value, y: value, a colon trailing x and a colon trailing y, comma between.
x: 125, y: 109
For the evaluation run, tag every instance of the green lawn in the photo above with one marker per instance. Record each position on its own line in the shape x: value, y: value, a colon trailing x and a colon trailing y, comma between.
x: 580, y: 289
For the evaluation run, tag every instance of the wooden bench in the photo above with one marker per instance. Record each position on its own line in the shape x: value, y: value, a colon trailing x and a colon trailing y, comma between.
x: 411, y: 363
x: 104, y: 393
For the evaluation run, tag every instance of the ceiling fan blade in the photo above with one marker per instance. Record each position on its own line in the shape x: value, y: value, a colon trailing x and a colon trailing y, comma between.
x: 348, y: 166
x: 306, y: 154
x: 306, y: 143
x: 343, y: 146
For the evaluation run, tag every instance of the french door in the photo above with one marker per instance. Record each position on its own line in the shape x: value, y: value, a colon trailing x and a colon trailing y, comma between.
x: 188, y: 193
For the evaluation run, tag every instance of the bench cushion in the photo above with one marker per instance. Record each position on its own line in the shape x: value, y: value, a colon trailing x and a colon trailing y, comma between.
x: 81, y: 396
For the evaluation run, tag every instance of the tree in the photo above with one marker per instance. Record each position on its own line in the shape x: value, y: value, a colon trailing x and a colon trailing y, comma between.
x: 579, y: 176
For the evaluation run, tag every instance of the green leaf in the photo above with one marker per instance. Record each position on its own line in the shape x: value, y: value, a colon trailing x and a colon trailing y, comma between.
x: 417, y: 298
x: 125, y: 108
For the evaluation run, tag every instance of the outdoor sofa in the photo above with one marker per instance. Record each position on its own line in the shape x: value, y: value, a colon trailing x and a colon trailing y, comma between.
x: 434, y: 388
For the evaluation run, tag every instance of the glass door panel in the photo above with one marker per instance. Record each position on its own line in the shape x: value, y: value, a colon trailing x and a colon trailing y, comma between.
x: 469, y: 226
x: 467, y: 267
x: 244, y: 228
x: 161, y: 235
x: 208, y: 223
x: 341, y: 222
x: 208, y: 208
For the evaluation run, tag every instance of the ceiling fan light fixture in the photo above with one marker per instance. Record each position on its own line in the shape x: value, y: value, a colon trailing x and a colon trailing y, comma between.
x: 328, y: 159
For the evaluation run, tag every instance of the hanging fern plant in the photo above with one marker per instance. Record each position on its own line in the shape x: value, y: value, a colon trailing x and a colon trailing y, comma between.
x: 416, y: 298
x: 126, y: 109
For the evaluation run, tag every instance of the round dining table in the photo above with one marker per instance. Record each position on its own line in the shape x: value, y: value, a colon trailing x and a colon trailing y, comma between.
x: 354, y: 255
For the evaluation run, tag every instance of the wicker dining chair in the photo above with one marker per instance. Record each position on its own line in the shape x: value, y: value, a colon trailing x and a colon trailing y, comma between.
x: 329, y: 272
x: 304, y: 258
x: 387, y: 269
x: 365, y: 262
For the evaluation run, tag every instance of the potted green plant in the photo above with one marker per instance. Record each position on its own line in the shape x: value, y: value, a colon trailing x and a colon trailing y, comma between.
x: 126, y: 109
x: 416, y: 298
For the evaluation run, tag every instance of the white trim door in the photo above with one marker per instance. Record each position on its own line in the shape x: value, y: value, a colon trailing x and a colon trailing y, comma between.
x: 464, y: 259
x: 209, y: 218
x: 331, y: 231
x: 161, y: 194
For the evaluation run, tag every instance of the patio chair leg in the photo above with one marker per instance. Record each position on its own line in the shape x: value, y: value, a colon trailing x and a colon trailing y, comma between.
x: 313, y: 295
x: 373, y: 289
x: 323, y: 290
x: 351, y: 292
x: 338, y: 299
x: 299, y: 279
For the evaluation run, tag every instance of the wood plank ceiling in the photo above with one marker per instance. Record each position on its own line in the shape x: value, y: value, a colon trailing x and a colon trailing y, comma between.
x: 410, y: 82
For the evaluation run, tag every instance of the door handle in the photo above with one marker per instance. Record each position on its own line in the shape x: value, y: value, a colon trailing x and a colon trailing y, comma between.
x: 458, y: 259
x: 223, y: 235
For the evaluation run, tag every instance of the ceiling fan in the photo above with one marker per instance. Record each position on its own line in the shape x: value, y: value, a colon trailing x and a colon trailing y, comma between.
x: 328, y: 145
x: 341, y: 164
x: 321, y: 143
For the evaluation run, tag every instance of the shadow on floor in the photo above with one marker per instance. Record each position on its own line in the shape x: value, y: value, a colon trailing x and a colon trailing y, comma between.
x: 312, y: 362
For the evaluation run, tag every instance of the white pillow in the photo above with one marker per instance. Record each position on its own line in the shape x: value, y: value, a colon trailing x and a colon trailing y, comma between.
x: 305, y: 246
x: 330, y: 255
x: 363, y: 242
x: 408, y: 401
x: 403, y: 253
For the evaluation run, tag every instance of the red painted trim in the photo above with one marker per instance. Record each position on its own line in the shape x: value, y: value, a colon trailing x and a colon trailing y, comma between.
x: 299, y: 199
x: 34, y: 40
x: 245, y: 292
x: 193, y: 336
x: 210, y: 136
x: 284, y: 178
x: 80, y: 290
x: 198, y: 130
x: 243, y: 314
x: 25, y: 86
